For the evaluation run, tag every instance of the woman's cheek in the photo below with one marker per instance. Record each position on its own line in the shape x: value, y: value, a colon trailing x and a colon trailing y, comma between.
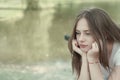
x: 89, y: 47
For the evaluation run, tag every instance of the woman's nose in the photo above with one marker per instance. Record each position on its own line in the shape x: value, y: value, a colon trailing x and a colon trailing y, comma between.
x: 81, y: 38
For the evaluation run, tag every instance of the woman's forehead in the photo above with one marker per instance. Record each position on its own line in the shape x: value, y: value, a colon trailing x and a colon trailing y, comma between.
x: 82, y: 24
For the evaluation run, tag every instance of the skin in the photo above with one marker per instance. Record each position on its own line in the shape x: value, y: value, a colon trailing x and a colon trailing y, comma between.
x: 83, y: 35
x: 84, y: 40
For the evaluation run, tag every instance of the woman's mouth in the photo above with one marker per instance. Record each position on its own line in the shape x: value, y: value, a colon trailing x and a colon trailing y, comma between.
x: 83, y: 46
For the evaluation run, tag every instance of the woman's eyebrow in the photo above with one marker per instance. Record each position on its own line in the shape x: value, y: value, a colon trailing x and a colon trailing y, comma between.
x: 77, y: 30
x: 83, y: 30
x: 86, y: 30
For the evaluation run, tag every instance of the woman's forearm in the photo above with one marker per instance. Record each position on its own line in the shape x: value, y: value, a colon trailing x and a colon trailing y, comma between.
x: 95, y: 70
x: 84, y: 74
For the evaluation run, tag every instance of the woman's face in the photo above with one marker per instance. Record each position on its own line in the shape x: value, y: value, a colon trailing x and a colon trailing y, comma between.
x: 83, y: 35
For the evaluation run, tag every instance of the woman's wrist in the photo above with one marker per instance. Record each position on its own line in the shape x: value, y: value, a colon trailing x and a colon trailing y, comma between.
x: 93, y: 60
x: 84, y: 58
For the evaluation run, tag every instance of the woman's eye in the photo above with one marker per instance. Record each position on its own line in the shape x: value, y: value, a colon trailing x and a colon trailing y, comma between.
x: 77, y: 33
x: 87, y: 33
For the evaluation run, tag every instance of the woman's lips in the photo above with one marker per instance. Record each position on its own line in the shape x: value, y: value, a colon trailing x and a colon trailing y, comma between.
x: 83, y: 46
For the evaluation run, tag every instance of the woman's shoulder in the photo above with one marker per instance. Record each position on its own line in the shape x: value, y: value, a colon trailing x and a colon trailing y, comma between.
x: 116, y: 52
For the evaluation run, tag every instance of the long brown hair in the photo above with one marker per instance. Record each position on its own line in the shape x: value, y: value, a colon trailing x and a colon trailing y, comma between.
x: 102, y: 28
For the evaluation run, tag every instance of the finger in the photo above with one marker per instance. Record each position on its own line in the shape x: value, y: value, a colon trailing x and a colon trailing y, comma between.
x: 74, y: 43
x: 95, y: 46
x: 75, y: 47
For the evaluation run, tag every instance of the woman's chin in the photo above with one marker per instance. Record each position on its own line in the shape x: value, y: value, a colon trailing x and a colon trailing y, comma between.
x: 84, y: 50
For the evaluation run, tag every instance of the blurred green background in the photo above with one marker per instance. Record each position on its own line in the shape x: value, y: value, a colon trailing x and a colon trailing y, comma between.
x: 32, y: 34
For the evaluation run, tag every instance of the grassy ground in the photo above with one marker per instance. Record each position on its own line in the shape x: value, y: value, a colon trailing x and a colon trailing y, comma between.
x: 42, y: 71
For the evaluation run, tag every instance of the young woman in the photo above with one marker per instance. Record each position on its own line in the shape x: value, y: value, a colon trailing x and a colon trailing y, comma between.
x: 95, y: 46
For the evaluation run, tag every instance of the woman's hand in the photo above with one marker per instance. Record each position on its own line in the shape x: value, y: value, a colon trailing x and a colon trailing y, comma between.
x: 93, y: 53
x: 76, y: 47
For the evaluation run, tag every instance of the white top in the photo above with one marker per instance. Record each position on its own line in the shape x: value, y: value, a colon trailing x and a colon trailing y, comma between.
x: 114, y: 59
